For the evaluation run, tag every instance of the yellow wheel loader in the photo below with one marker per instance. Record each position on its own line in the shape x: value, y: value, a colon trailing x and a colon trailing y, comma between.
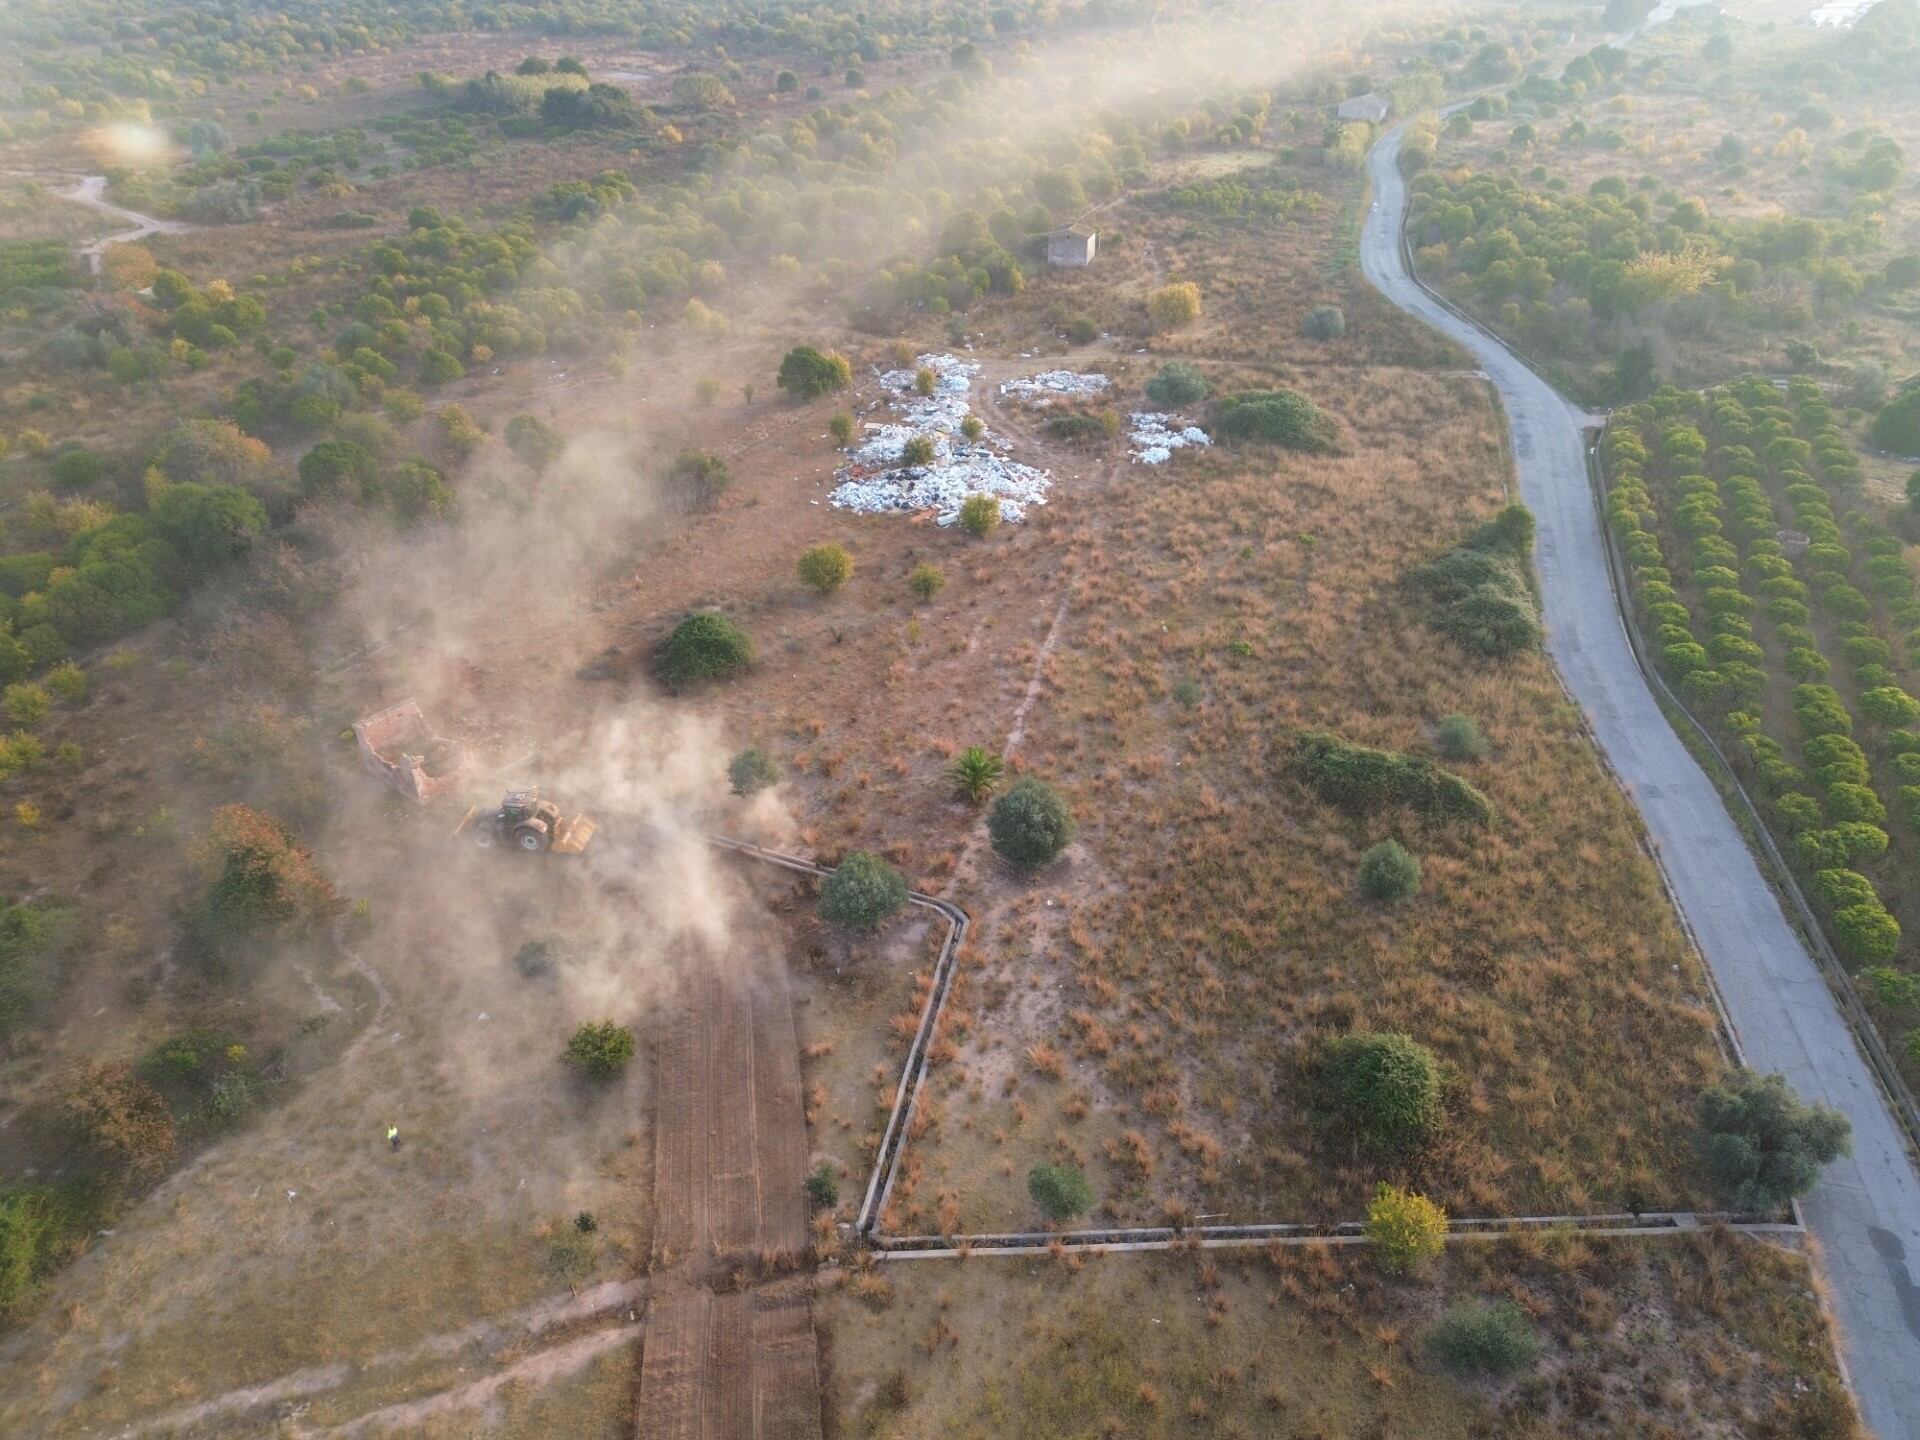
x: 526, y: 822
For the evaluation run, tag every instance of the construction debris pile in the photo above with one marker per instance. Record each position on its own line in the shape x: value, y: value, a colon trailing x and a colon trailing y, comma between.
x: 1043, y: 389
x: 874, y: 481
x: 1154, y: 438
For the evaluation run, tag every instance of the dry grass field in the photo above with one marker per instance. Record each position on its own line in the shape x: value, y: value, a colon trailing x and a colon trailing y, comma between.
x: 1707, y: 1337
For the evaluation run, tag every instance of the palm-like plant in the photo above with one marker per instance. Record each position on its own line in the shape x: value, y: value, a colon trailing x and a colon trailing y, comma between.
x: 975, y: 772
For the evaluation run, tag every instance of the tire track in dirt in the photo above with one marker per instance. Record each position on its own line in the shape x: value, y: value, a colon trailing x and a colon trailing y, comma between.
x: 730, y: 1154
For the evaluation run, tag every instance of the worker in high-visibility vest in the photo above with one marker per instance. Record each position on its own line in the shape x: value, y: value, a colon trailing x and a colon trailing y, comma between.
x: 393, y: 1136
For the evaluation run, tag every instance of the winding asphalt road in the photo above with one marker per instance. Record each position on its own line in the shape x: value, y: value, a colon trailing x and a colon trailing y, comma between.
x: 1866, y: 1209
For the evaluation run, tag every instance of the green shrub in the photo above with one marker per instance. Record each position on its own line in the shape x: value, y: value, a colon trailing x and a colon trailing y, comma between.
x: 979, y: 514
x: 1866, y: 933
x: 926, y: 581
x: 1891, y: 989
x: 1177, y: 384
x: 823, y: 1186
x: 1029, y: 824
x: 1324, y: 322
x: 825, y: 568
x: 1384, y: 1090
x: 1389, y: 871
x: 918, y: 452
x: 705, y: 646
x: 1760, y: 1145
x: 840, y: 426
x: 862, y: 891
x: 1889, y: 707
x: 1480, y: 588
x: 975, y: 773
x: 1475, y: 1338
x: 1797, y: 811
x: 1274, y: 417
x: 1847, y: 801
x: 26, y: 704
x: 696, y: 480
x: 77, y: 468
x: 1061, y: 1191
x: 752, y: 771
x: 1407, y: 1230
x: 333, y: 464
x: 1360, y: 779
x: 600, y: 1052
x: 1077, y: 429
x: 537, y: 443
x: 807, y: 373
x: 1460, y: 738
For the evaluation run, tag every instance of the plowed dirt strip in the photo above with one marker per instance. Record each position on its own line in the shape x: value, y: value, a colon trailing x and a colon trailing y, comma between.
x: 730, y: 1156
x: 725, y: 1012
x: 786, y: 1378
x: 680, y: 1166
x: 673, y: 1365
x: 780, y: 1131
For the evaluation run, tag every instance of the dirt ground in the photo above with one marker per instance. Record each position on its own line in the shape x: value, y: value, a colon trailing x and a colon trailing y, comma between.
x: 729, y: 1173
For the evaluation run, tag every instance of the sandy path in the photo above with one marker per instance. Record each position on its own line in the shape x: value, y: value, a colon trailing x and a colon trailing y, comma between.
x: 91, y: 192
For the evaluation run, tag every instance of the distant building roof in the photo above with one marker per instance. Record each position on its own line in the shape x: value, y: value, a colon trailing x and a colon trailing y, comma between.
x: 1371, y: 107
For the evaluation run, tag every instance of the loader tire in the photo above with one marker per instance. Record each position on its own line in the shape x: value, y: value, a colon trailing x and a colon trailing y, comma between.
x: 531, y: 840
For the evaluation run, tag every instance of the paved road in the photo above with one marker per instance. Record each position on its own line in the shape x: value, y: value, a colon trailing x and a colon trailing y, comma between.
x: 1866, y: 1210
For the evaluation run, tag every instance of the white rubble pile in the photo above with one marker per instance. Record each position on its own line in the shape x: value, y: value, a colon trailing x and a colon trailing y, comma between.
x: 1043, y: 389
x: 944, y: 485
x: 1154, y: 437
x: 947, y: 406
x: 874, y: 482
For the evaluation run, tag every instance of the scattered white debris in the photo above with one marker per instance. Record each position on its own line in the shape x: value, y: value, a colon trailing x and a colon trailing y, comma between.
x: 947, y: 406
x: 1044, y: 388
x: 874, y: 482
x: 1155, y: 437
x: 944, y: 485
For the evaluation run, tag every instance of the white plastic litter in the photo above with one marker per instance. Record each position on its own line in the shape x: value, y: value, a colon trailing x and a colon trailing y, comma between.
x: 1155, y: 437
x: 874, y: 482
x: 944, y: 485
x: 1048, y: 385
x: 947, y: 406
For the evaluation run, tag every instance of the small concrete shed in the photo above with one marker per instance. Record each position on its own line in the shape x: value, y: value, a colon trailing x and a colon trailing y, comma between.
x: 1072, y: 247
x: 1373, y: 107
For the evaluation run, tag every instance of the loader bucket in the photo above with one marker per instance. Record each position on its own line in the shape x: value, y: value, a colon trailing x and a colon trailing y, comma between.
x: 574, y: 835
x: 465, y: 821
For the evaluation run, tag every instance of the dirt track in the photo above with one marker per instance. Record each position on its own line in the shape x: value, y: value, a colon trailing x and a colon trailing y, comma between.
x: 730, y: 1153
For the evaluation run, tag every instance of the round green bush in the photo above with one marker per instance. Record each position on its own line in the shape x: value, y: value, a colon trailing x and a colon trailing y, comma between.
x: 1866, y: 933
x: 752, y: 771
x: 806, y: 373
x: 1385, y: 1089
x: 704, y: 646
x: 862, y: 891
x: 601, y: 1051
x: 1178, y: 383
x: 1277, y: 417
x: 1060, y: 1191
x: 1481, y: 1339
x: 1389, y: 871
x: 1460, y: 738
x: 825, y: 568
x: 1030, y: 824
x: 1324, y: 322
x: 77, y: 468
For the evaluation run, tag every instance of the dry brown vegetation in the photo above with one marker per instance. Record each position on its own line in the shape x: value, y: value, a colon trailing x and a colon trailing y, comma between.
x: 1712, y: 1336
